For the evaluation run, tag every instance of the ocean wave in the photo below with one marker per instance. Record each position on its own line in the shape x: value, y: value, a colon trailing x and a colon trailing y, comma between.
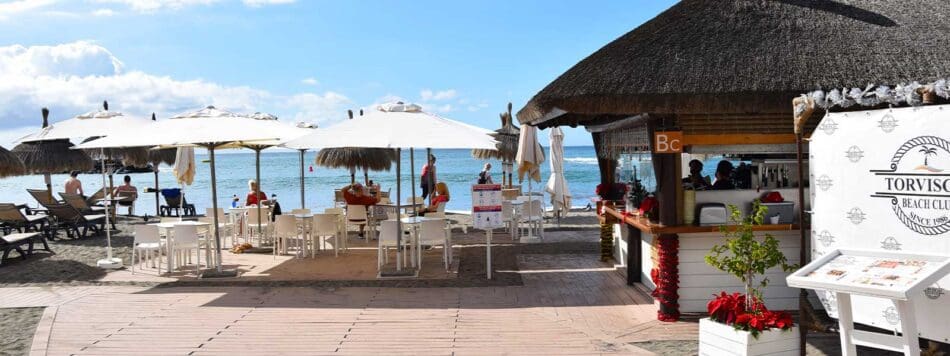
x: 581, y: 160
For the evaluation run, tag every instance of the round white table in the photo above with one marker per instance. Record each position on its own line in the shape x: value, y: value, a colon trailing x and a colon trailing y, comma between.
x: 169, y: 227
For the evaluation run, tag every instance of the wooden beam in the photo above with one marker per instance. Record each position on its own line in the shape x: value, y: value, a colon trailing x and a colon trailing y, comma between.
x: 738, y: 139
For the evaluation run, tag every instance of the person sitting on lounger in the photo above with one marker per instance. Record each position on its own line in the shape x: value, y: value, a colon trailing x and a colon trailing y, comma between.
x: 255, y: 195
x: 73, y: 184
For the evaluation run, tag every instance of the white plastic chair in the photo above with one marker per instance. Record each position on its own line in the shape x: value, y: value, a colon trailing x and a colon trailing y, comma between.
x: 508, y: 216
x: 532, y: 216
x: 356, y: 215
x: 253, y: 227
x: 388, y: 234
x: 186, y: 240
x: 324, y: 225
x: 285, y: 230
x: 341, y: 222
x: 432, y: 233
x: 147, y: 241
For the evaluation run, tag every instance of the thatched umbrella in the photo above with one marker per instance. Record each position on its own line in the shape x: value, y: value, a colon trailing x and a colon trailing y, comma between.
x: 156, y: 157
x: 507, y: 137
x: 10, y: 165
x: 353, y: 158
x: 51, y: 156
x: 747, y: 57
x: 367, y: 159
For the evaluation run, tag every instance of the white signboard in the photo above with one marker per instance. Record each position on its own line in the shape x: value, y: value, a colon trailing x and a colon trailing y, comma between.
x: 881, y: 180
x: 486, y: 206
x: 885, y: 274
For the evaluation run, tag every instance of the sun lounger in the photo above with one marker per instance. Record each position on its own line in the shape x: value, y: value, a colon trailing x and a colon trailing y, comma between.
x: 77, y: 201
x: 70, y: 219
x: 43, y: 197
x: 13, y: 218
x: 96, y: 197
x: 12, y: 242
x: 173, y: 202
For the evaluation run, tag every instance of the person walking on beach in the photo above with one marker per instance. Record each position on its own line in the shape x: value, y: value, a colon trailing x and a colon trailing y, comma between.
x: 73, y: 184
x: 428, y: 177
x: 484, y: 177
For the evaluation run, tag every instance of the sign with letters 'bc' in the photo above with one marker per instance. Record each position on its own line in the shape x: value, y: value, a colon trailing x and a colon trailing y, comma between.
x: 880, y: 180
x: 486, y: 206
x: 668, y: 142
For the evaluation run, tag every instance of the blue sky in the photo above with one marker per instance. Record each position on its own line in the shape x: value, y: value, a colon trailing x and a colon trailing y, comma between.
x: 302, y: 60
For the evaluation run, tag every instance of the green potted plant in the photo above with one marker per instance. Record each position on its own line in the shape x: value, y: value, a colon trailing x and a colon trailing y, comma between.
x: 740, y: 323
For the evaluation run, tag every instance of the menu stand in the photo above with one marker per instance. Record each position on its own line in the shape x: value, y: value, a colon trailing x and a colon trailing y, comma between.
x: 890, y: 275
x: 486, y: 214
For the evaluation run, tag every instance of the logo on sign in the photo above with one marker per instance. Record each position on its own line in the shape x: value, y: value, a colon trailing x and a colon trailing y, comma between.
x: 668, y: 142
x: 917, y: 185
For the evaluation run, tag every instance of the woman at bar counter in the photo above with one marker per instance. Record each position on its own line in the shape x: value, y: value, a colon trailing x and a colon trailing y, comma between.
x: 723, y: 176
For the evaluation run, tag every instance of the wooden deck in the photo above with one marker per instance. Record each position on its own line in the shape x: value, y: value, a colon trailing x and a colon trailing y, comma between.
x: 570, y: 304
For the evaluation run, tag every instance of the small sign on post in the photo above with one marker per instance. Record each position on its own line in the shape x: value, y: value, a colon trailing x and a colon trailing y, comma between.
x: 668, y: 142
x: 486, y: 214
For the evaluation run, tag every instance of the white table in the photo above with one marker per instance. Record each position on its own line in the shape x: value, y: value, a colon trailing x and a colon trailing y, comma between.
x: 170, y: 240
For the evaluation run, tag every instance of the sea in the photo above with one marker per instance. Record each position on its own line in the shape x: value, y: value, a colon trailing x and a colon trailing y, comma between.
x: 280, y: 175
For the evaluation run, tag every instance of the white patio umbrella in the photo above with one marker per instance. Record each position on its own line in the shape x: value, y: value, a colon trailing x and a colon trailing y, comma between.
x: 210, y: 128
x: 557, y: 185
x: 98, y: 123
x: 529, y: 158
x: 398, y: 125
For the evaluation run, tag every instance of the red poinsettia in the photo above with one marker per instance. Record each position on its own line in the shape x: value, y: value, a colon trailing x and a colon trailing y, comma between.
x: 613, y: 191
x: 730, y: 309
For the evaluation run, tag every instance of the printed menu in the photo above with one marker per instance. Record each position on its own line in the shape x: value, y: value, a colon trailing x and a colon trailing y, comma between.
x: 882, y: 272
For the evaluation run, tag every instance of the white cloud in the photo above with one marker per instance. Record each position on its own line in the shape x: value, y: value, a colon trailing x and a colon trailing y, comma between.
x: 259, y: 3
x: 310, y: 81
x: 104, y: 12
x: 11, y: 8
x: 76, y: 77
x: 153, y: 5
x: 428, y: 94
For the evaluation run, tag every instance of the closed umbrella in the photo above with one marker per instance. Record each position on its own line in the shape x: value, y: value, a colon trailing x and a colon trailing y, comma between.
x: 529, y: 159
x: 397, y: 126
x: 184, y: 170
x: 557, y: 185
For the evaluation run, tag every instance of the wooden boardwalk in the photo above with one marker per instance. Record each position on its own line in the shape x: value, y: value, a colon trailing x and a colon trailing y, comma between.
x: 570, y: 304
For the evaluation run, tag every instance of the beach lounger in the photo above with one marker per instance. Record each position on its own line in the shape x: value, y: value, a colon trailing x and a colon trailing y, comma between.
x: 43, y: 197
x: 12, y: 242
x: 77, y: 201
x: 13, y: 218
x: 70, y: 219
x: 173, y: 202
x: 96, y: 197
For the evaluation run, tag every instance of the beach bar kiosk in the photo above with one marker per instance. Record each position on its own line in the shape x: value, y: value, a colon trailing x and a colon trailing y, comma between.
x: 716, y: 80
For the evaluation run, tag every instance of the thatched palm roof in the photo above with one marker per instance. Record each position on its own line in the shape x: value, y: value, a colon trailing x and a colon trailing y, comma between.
x: 507, y: 137
x: 749, y: 56
x: 370, y: 159
x: 52, y: 156
x: 129, y: 156
x: 10, y: 165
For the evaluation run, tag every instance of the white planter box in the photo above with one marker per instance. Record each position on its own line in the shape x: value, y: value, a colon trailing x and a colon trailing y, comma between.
x: 722, y: 339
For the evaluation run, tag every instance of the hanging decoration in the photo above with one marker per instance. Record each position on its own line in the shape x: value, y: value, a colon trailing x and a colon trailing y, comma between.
x: 913, y: 94
x: 666, y: 277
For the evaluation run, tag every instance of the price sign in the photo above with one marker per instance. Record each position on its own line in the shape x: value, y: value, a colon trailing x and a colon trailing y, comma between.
x: 486, y: 206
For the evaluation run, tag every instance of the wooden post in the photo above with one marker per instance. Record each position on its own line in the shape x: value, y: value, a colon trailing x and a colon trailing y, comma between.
x: 634, y: 254
x: 802, y: 107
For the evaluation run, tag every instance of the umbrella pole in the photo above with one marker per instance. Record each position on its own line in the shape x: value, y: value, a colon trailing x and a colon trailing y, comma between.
x: 214, y: 205
x: 108, y: 262
x: 157, y: 210
x: 257, y: 163
x: 399, y: 209
x: 365, y: 176
x: 302, y: 204
x: 412, y: 174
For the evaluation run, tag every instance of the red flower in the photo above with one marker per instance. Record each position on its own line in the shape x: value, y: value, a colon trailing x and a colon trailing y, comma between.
x: 730, y: 309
